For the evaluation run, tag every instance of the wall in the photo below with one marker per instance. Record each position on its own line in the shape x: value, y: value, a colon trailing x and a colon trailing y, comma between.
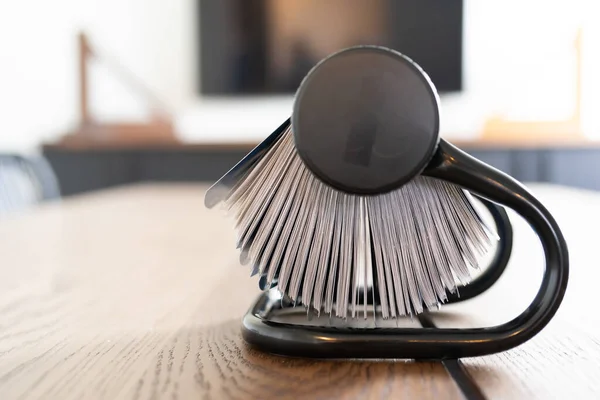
x: 152, y: 38
x: 516, y: 53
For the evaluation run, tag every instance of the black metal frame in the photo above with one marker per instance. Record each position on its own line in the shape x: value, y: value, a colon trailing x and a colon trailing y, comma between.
x: 453, y: 165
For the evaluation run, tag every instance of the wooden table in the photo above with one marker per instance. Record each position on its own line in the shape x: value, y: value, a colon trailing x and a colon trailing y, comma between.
x: 136, y: 293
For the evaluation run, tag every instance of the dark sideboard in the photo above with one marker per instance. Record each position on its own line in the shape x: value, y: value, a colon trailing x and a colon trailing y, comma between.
x: 81, y: 170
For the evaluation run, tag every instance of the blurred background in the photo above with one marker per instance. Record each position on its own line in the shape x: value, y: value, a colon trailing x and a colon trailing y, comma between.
x: 95, y: 94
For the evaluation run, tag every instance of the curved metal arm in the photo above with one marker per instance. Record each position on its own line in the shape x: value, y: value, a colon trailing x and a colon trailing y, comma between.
x: 454, y: 165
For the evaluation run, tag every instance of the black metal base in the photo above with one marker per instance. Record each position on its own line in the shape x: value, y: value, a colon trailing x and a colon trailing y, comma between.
x: 264, y: 329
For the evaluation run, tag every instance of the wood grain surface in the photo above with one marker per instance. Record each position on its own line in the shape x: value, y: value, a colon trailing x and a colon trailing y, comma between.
x: 136, y: 293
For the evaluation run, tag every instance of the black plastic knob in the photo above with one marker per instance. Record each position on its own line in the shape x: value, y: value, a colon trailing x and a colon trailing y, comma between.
x: 366, y: 120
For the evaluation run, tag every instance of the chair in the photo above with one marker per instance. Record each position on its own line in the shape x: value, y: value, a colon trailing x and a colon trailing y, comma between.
x: 25, y: 181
